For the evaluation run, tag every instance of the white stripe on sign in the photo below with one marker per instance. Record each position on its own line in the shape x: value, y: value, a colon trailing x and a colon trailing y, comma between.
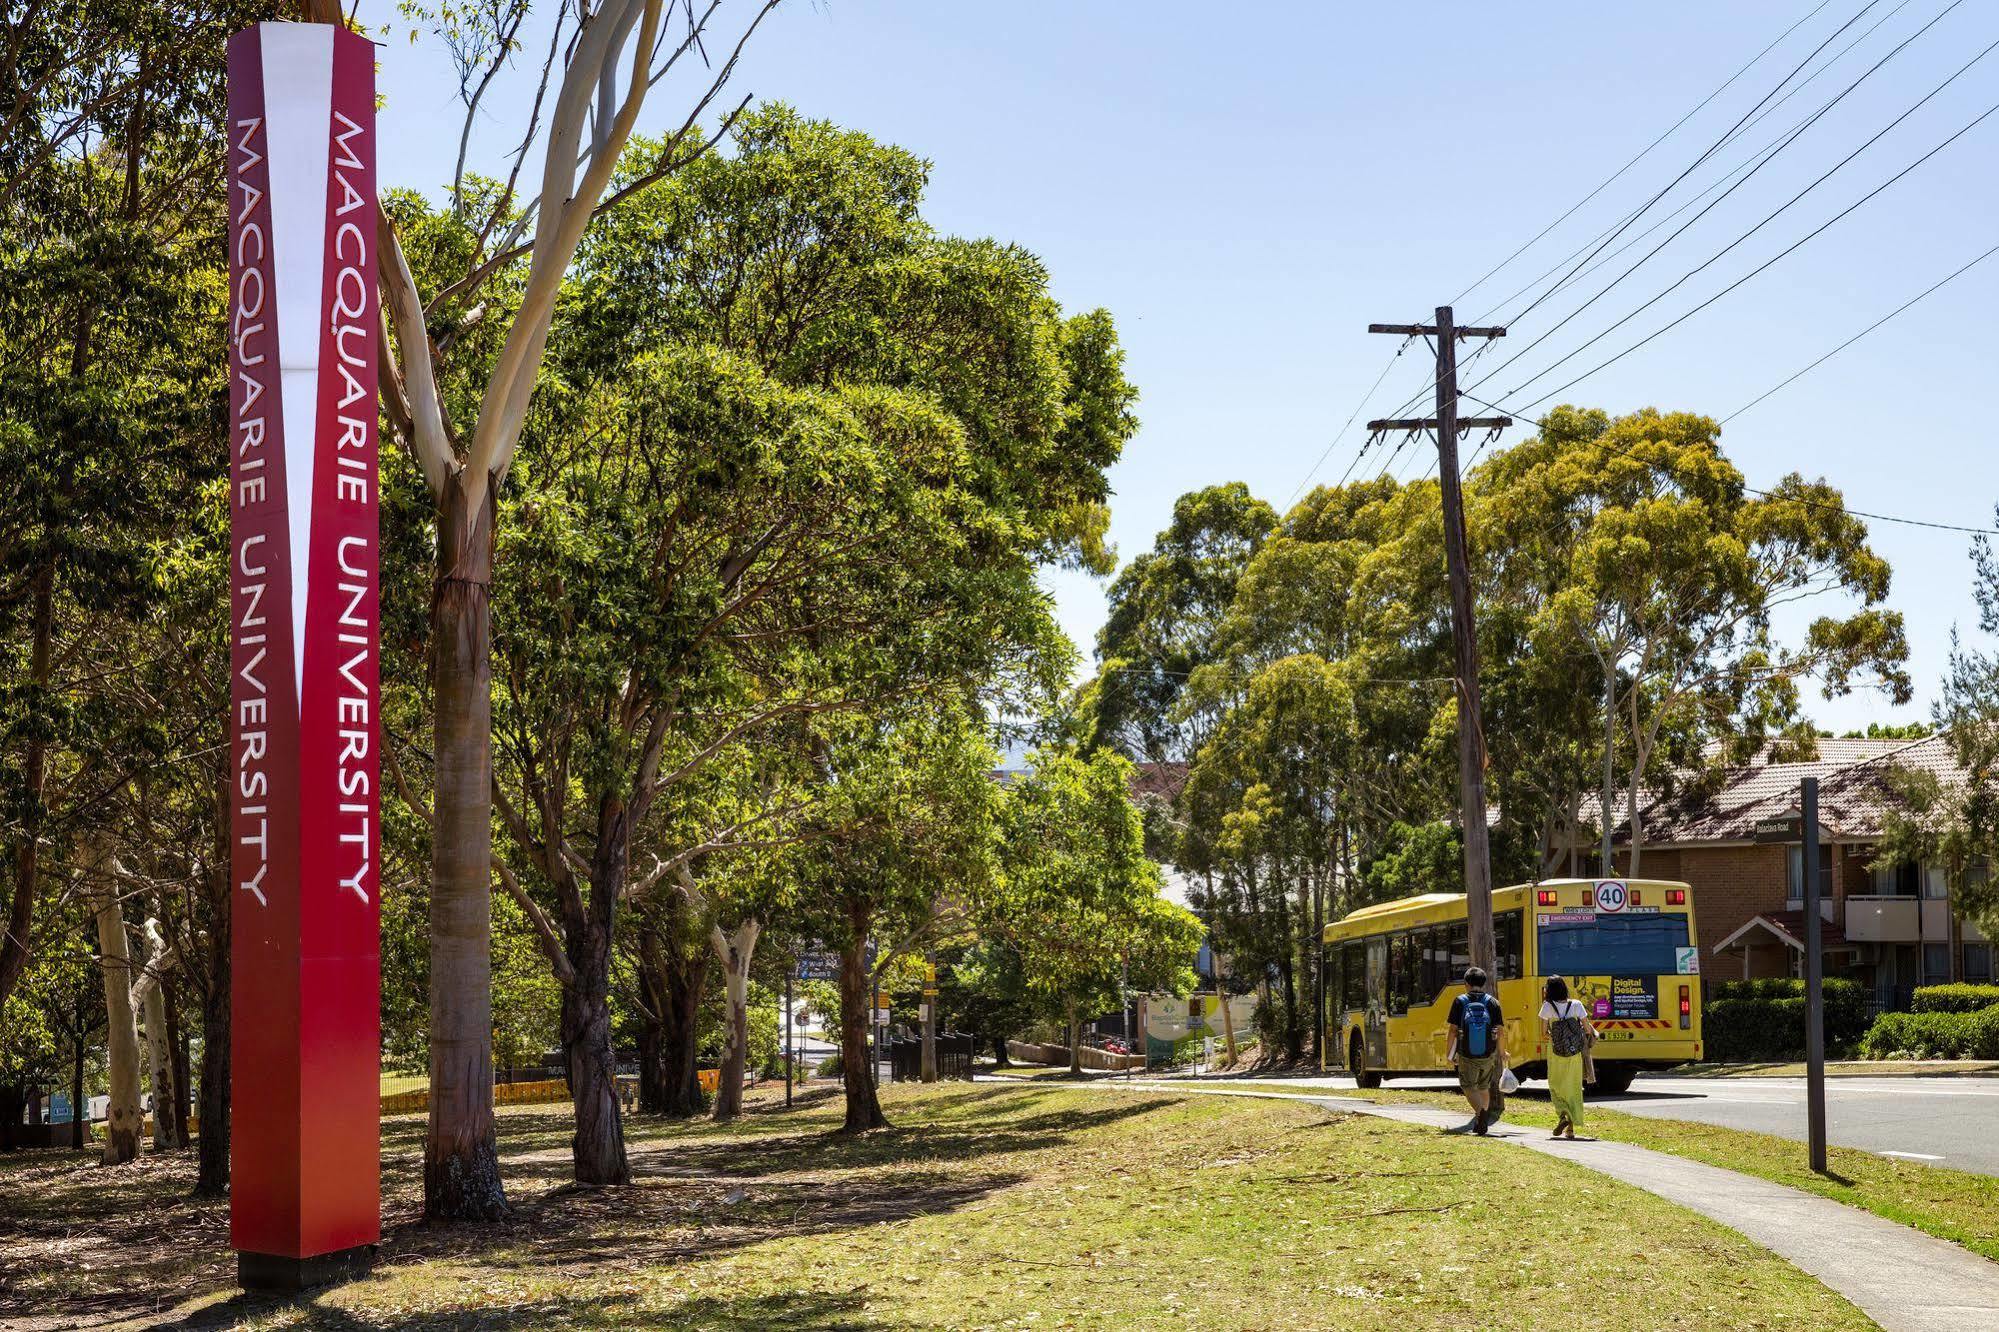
x: 1913, y: 1156
x: 298, y: 108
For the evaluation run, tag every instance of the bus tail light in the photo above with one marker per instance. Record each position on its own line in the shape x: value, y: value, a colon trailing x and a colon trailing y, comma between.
x: 1686, y: 1007
x: 1589, y: 897
x: 1636, y: 897
x: 1676, y: 897
x: 1545, y: 897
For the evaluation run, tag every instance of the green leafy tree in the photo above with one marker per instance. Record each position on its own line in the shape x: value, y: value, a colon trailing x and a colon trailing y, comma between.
x: 1076, y: 900
x: 1166, y: 610
x: 1655, y: 562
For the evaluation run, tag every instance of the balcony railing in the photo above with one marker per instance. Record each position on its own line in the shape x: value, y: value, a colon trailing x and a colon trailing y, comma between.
x: 1874, y: 919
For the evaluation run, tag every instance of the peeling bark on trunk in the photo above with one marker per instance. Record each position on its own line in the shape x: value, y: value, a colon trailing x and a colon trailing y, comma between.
x: 734, y: 949
x: 857, y: 1074
x: 461, y: 1164
x: 160, y: 1068
x: 122, y: 1122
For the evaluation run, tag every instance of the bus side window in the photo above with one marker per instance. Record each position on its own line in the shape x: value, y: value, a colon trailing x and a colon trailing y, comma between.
x: 1458, y: 933
x: 1507, y: 942
x: 1412, y: 971
x: 1436, y: 962
x: 1398, y: 973
x: 1353, y: 976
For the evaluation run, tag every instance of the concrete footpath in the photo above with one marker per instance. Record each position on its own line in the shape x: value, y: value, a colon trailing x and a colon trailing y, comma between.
x: 1901, y: 1278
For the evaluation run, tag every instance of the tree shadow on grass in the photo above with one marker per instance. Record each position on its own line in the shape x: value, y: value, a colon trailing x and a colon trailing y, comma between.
x: 807, y: 1311
x: 699, y: 1191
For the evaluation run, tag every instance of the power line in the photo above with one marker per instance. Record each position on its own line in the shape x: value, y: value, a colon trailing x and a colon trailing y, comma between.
x: 1682, y: 228
x: 1711, y: 150
x: 1361, y: 454
x: 1760, y: 268
x: 1771, y: 494
x: 1724, y: 179
x: 1612, y: 178
x: 1862, y: 333
x: 1332, y: 444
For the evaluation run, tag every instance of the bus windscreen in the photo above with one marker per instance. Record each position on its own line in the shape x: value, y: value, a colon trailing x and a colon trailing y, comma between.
x: 1607, y: 945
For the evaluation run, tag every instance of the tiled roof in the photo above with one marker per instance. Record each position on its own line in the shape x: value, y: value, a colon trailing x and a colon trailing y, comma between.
x: 1165, y: 780
x: 1855, y: 793
x: 1791, y: 925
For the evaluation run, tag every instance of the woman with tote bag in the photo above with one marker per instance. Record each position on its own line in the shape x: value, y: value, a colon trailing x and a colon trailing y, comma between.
x: 1568, y: 1035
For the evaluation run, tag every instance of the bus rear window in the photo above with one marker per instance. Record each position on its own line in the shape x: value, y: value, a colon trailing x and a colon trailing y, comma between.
x: 1641, y: 945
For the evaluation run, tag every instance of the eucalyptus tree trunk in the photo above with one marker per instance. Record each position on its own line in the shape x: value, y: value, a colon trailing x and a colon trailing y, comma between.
x: 1075, y: 1028
x: 857, y: 1074
x: 461, y: 1164
x: 734, y: 948
x: 211, y: 1178
x: 123, y: 1120
x: 150, y: 998
x: 672, y: 979
x: 1607, y: 864
x: 177, y: 1042
x: 33, y: 778
x: 598, y: 1147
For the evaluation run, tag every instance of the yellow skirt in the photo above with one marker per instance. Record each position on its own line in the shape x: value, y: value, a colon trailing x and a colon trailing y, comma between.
x: 1565, y: 1086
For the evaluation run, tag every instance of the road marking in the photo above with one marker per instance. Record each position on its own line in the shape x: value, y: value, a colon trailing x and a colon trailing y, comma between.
x: 1913, y: 1156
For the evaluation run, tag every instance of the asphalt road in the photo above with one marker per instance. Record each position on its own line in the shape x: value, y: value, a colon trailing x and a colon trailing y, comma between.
x: 1949, y: 1121
x: 1943, y: 1120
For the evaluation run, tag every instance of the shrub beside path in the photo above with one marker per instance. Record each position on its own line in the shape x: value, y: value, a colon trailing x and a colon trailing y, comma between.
x: 1901, y: 1278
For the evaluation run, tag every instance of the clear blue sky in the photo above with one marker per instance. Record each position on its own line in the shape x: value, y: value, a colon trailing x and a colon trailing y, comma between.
x: 1246, y: 189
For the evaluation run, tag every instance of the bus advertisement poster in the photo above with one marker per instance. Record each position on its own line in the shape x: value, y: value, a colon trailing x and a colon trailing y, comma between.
x: 1620, y: 998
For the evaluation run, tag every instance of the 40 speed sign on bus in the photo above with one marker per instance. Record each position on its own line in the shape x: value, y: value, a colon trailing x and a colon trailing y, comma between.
x: 1612, y: 896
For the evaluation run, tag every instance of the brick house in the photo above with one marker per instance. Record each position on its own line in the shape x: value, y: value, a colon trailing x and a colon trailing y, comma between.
x: 1891, y: 929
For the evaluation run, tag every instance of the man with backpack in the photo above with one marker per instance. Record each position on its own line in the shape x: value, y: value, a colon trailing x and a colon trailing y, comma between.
x: 1478, y: 1049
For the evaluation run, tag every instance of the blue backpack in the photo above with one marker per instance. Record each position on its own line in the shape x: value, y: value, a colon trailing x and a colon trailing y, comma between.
x: 1477, y: 1018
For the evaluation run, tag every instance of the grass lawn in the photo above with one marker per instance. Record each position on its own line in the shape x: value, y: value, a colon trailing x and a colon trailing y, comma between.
x: 986, y: 1206
x: 395, y: 1084
x: 1956, y: 1205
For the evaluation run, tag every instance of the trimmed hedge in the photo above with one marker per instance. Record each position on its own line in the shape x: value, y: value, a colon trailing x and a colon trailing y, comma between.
x: 1765, y: 1019
x: 1957, y: 998
x: 1934, y: 1035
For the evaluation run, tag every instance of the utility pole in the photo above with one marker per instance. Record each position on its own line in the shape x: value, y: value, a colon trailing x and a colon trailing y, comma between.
x: 1608, y: 865
x: 1808, y: 819
x: 1471, y: 736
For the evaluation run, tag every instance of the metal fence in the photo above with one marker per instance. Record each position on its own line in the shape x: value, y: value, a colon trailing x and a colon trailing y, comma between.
x: 954, y: 1056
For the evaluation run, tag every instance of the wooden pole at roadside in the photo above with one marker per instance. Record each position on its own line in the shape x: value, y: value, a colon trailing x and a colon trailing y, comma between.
x: 1464, y: 637
x: 1808, y: 811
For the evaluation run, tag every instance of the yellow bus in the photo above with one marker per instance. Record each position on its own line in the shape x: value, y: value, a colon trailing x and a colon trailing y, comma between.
x: 1626, y: 947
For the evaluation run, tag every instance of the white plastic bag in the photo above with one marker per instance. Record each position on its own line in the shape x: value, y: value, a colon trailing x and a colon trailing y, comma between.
x: 1508, y: 1084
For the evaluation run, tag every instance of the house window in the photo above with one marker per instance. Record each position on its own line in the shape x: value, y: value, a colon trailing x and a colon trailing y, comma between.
x: 1936, y: 963
x: 1978, y: 963
x: 1897, y: 880
x: 1794, y: 876
x: 1935, y: 887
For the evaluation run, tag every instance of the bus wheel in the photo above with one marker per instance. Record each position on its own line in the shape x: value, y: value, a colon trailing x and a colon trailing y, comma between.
x: 1363, y: 1076
x: 1614, y: 1079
